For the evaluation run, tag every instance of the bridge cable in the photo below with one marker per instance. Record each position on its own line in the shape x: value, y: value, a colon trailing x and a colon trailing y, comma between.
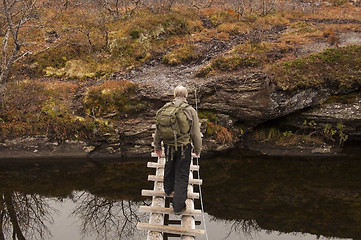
x: 199, y: 176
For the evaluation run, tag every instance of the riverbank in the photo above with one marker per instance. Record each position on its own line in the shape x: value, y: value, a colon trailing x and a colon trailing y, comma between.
x: 40, y: 147
x: 276, y: 83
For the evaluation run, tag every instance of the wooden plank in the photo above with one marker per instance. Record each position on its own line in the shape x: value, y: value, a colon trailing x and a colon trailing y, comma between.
x: 170, y: 229
x: 179, y: 222
x: 157, y: 165
x: 189, y: 221
x: 162, y: 210
x: 157, y: 218
x: 160, y: 179
x: 151, y: 193
x: 154, y: 126
x: 194, y: 155
x: 171, y: 235
x: 153, y: 154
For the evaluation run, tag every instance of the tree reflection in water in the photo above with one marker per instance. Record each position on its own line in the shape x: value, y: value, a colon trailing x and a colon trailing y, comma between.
x: 108, y: 219
x: 24, y: 216
x: 243, y: 227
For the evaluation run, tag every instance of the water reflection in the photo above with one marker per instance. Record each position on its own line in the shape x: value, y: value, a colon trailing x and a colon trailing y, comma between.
x: 245, y: 198
x: 316, y: 196
x: 107, y: 219
x: 24, y: 216
x: 104, y: 197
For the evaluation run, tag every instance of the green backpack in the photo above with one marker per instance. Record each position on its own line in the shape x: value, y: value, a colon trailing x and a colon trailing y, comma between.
x: 172, y: 124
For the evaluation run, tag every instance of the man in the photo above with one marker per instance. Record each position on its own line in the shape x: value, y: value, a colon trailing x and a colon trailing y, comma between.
x: 178, y: 151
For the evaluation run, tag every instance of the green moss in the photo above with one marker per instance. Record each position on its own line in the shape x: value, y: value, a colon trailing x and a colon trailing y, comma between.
x: 183, y: 54
x: 158, y: 26
x: 209, y: 115
x: 337, y: 68
x: 338, y: 2
x: 345, y: 99
x: 56, y: 58
x: 115, y: 99
x: 303, y: 27
x: 135, y: 33
x: 234, y: 63
x: 79, y: 69
x: 229, y: 63
x: 128, y: 52
x: 255, y: 47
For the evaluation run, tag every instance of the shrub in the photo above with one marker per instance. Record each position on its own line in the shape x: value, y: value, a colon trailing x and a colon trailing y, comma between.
x: 217, y: 17
x: 220, y: 133
x: 35, y: 108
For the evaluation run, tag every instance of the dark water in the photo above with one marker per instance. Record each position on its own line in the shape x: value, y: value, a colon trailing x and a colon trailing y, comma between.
x: 245, y: 197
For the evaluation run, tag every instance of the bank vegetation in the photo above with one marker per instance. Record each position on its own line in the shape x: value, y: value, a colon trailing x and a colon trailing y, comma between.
x: 63, y: 62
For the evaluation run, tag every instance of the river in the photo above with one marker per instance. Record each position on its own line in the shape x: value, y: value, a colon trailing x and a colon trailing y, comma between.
x: 246, y: 196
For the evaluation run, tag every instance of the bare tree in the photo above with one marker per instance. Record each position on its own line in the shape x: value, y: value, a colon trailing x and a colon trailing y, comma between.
x: 119, y: 8
x: 202, y: 4
x: 24, y: 216
x: 108, y: 219
x: 159, y: 5
x: 247, y: 227
x: 18, y: 15
x: 268, y: 6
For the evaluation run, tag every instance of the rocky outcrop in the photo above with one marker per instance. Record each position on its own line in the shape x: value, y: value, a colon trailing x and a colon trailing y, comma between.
x: 251, y: 98
x: 345, y: 109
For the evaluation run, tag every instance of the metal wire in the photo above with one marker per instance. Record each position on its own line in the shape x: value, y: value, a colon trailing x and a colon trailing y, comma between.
x: 199, y: 176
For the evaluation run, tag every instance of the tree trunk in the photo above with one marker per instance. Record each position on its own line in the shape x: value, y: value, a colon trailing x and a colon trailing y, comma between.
x: 12, y: 213
x: 2, y: 213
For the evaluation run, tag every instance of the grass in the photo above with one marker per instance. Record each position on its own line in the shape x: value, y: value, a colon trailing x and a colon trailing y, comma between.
x: 246, y: 55
x: 182, y: 54
x: 335, y: 67
x: 46, y: 108
x: 98, y: 44
x: 314, y: 136
x: 89, y: 44
x: 112, y: 99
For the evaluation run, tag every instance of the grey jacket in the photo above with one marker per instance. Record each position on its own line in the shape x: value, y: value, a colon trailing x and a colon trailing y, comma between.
x: 195, y: 132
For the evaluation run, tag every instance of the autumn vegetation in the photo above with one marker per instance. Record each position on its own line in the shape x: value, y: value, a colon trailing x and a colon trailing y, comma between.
x: 58, y: 58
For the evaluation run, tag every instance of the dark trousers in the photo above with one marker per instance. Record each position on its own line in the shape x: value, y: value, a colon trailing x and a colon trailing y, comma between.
x: 176, y: 174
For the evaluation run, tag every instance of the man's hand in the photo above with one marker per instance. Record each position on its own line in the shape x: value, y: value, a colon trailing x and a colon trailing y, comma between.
x: 159, y: 153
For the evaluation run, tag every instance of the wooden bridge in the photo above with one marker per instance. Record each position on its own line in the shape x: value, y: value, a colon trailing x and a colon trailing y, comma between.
x: 159, y: 226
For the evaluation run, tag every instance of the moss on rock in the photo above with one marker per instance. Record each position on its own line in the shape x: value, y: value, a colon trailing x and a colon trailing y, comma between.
x: 333, y: 68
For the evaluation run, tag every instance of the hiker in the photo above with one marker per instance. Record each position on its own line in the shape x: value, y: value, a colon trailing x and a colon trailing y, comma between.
x: 178, y: 146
